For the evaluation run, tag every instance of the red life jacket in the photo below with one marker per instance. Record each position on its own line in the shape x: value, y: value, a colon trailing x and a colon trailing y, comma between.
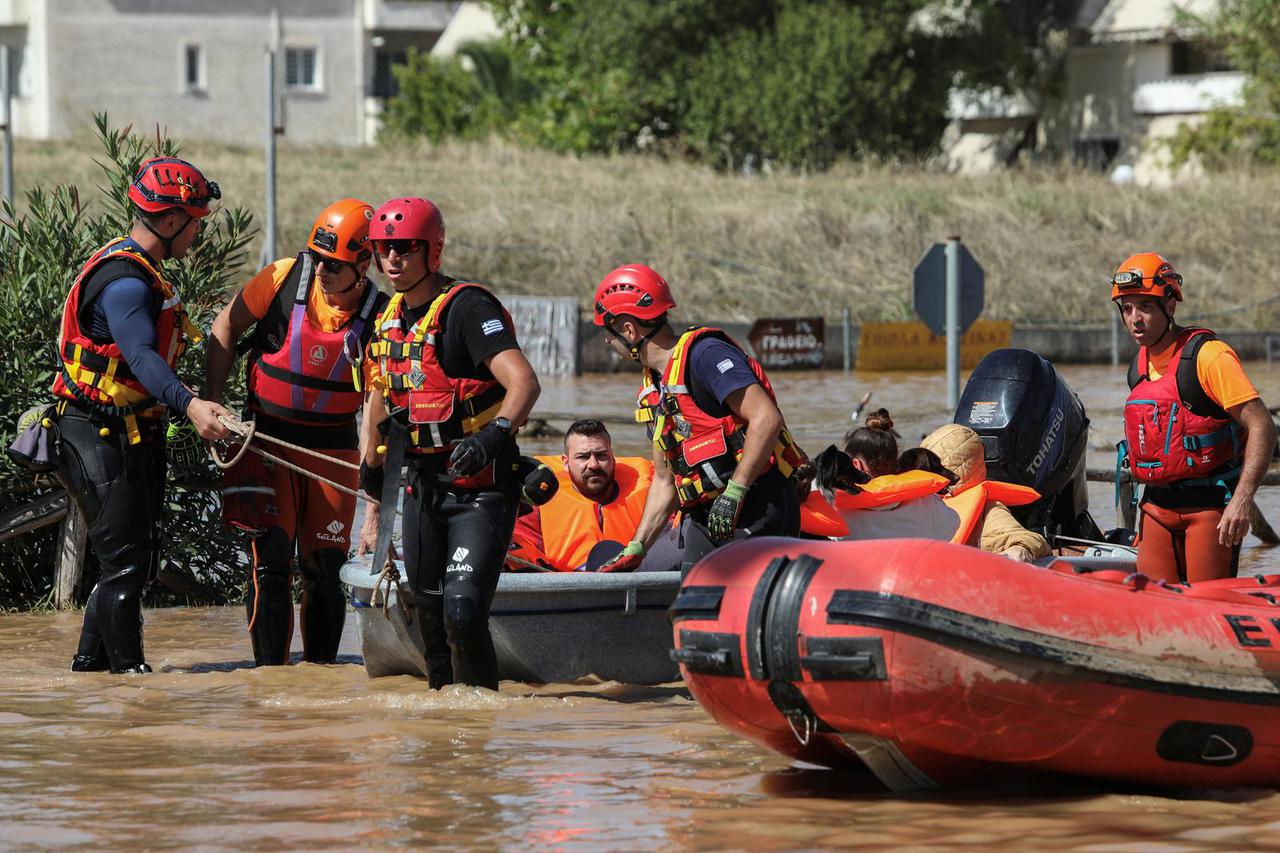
x: 97, y: 374
x: 300, y: 373
x: 701, y: 450
x: 1174, y: 432
x: 442, y: 410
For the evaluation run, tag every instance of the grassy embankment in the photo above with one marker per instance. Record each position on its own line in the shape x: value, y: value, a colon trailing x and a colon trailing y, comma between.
x: 533, y: 222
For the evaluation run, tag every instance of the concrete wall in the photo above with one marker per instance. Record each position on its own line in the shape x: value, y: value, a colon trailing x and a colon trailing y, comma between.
x: 1061, y: 345
x: 126, y: 57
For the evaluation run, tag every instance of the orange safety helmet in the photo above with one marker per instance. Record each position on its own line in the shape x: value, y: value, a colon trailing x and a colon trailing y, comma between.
x: 633, y: 289
x: 341, y: 231
x: 1146, y: 274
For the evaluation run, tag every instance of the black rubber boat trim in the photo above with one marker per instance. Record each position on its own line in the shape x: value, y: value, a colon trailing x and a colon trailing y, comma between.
x: 755, y: 640
x: 697, y: 602
x: 957, y: 629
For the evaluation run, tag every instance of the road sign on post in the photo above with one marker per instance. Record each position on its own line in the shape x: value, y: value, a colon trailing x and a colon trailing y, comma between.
x: 930, y: 291
x: 948, y: 295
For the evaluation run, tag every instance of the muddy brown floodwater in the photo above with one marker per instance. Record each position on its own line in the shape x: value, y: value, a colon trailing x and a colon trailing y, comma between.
x: 209, y: 752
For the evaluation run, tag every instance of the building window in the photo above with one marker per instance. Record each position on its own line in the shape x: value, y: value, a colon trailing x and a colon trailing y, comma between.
x: 193, y: 79
x: 1192, y: 58
x: 301, y: 69
x: 384, y: 79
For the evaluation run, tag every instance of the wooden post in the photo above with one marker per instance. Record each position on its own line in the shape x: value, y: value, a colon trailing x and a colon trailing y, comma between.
x: 70, y: 569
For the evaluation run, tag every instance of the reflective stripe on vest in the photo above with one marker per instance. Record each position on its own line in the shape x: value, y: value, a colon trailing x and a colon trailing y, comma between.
x: 441, y: 410
x: 97, y: 374
x: 313, y: 377
x: 573, y: 524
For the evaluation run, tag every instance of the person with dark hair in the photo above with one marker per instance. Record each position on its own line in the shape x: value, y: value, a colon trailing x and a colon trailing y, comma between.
x: 598, y: 505
x: 889, y: 504
x: 123, y: 329
x: 722, y: 450
x: 311, y: 317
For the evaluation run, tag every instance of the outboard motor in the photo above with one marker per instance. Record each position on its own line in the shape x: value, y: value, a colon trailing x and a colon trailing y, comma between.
x: 1034, y: 433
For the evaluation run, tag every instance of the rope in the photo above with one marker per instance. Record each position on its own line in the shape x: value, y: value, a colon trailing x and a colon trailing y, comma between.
x: 248, y: 431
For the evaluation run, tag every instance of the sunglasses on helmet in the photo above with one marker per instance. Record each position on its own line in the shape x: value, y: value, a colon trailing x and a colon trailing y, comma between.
x: 400, y: 247
x: 331, y: 265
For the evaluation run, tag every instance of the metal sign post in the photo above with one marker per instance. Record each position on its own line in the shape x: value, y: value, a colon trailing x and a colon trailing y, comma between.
x: 953, y: 322
x: 269, y: 226
x: 948, y: 294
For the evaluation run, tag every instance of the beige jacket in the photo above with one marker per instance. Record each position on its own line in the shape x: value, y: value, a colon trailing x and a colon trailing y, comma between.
x: 960, y: 450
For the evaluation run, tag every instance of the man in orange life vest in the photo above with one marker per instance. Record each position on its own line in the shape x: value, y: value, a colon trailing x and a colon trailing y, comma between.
x: 721, y: 448
x: 454, y: 386
x: 312, y: 317
x: 1197, y: 436
x: 600, y: 499
x: 123, y: 330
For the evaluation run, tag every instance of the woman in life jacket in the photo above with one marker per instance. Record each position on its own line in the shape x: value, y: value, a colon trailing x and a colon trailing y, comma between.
x: 888, y: 504
x: 983, y: 518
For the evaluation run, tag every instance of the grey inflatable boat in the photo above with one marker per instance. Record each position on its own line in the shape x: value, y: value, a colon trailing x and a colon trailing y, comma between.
x: 547, y: 627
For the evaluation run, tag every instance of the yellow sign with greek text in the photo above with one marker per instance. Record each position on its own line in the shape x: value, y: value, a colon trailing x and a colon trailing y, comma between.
x: 911, y: 346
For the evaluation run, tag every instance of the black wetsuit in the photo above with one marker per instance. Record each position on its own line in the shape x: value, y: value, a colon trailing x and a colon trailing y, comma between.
x: 455, y: 540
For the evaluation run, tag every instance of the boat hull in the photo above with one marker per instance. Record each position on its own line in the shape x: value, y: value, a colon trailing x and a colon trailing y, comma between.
x: 546, y: 627
x: 934, y: 664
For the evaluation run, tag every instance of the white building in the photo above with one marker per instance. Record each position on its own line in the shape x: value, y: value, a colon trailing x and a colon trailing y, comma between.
x: 1133, y: 73
x: 198, y: 68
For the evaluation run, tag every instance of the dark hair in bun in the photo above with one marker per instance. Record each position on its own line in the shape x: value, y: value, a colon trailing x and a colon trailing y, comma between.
x: 875, y: 443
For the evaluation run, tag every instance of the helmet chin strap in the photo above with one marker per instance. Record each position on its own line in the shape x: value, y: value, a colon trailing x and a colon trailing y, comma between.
x: 167, y: 242
x: 633, y: 349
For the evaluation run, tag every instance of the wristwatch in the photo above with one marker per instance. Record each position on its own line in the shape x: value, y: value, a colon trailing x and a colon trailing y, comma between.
x: 503, y: 424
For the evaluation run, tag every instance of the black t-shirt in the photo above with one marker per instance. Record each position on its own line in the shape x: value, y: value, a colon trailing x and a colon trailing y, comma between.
x: 475, y: 329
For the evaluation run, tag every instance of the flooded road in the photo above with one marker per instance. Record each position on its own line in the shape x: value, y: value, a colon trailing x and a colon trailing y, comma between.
x: 211, y: 753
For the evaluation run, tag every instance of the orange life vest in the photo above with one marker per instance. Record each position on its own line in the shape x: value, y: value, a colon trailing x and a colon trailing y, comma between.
x: 973, y: 501
x: 301, y: 373
x: 701, y: 450
x: 98, y: 373
x: 573, y: 524
x: 819, y: 518
x: 891, y: 489
x: 442, y: 410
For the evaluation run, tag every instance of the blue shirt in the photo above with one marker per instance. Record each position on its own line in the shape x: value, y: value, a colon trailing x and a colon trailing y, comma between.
x: 125, y: 312
x: 716, y: 369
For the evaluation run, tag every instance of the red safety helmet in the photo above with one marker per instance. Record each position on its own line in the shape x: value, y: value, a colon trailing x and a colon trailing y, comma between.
x: 410, y: 219
x: 635, y: 290
x: 341, y: 231
x: 1146, y: 274
x: 167, y: 183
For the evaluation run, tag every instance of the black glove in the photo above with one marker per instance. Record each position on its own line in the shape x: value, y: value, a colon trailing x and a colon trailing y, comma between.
x: 476, y: 451
x: 371, y: 480
x: 723, y: 517
x: 538, y: 483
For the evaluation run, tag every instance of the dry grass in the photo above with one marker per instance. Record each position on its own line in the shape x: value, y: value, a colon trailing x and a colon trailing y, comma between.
x: 736, y: 247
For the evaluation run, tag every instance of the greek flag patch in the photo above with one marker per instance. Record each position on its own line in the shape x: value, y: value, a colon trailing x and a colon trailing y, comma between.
x: 491, y: 327
x: 725, y: 366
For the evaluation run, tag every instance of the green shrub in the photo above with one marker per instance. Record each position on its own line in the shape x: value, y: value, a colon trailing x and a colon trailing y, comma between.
x: 40, y: 254
x: 439, y: 98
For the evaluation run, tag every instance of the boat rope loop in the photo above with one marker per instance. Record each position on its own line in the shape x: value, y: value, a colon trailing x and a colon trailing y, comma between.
x: 382, y: 586
x: 247, y: 432
x: 806, y: 725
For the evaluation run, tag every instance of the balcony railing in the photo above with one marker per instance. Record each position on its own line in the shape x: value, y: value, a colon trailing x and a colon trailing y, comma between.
x: 1193, y: 93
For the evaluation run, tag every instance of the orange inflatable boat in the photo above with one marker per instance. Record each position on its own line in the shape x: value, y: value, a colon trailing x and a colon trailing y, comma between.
x: 937, y: 664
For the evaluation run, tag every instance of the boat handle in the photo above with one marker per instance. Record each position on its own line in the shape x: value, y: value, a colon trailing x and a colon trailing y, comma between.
x: 701, y: 658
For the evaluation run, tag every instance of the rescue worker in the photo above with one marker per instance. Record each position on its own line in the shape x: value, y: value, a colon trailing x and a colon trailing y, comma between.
x: 887, y: 504
x: 722, y: 450
x: 1198, y: 437
x: 600, y: 499
x: 454, y: 387
x: 312, y: 316
x: 123, y: 329
x: 982, y: 506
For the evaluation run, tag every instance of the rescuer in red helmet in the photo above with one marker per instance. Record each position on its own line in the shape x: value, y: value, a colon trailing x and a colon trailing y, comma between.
x: 1198, y: 437
x: 454, y: 388
x: 123, y: 329
x: 312, y: 317
x: 722, y: 450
